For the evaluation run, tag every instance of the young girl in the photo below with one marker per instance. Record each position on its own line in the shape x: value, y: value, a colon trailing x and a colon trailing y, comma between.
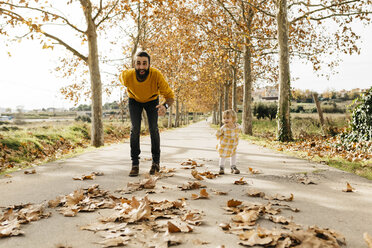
x: 228, y: 137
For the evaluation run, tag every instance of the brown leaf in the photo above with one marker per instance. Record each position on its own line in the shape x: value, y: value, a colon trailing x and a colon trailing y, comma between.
x: 115, y: 242
x: 196, y: 175
x: 233, y: 203
x: 255, y: 193
x: 204, y: 194
x: 368, y: 239
x: 173, y: 228
x: 200, y: 242
x: 191, y: 185
x: 10, y: 228
x: 225, y: 226
x: 103, y: 227
x: 248, y: 217
x: 253, y: 171
x: 85, y: 177
x: 240, y: 181
x: 280, y: 197
x: 74, y: 198
x: 279, y: 219
x: 349, y: 188
x: 30, y: 172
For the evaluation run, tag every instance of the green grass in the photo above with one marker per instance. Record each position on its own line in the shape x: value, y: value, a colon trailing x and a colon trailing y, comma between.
x: 303, y: 127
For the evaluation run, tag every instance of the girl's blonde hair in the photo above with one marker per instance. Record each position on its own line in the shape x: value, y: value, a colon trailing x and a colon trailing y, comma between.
x: 231, y: 113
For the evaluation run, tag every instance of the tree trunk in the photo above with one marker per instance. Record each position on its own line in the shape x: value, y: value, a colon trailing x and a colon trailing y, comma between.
x: 170, y: 116
x: 284, y: 124
x: 226, y: 92
x: 177, y: 121
x: 214, y: 118
x: 320, y: 112
x: 220, y: 109
x: 247, y: 91
x: 95, y: 77
x: 233, y: 93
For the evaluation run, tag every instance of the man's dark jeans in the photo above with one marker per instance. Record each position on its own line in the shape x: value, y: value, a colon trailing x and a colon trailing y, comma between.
x: 135, y: 110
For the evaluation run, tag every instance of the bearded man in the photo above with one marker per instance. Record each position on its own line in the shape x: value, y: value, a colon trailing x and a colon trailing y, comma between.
x: 144, y: 85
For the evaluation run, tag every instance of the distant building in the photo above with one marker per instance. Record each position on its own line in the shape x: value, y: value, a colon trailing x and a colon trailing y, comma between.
x: 268, y: 93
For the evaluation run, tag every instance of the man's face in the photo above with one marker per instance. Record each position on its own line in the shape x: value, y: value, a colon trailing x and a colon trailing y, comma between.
x: 142, y: 68
x: 142, y: 64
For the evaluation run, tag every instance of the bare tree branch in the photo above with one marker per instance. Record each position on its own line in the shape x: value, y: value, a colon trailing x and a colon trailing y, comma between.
x: 99, y: 11
x: 108, y: 13
x: 68, y: 47
x: 44, y: 12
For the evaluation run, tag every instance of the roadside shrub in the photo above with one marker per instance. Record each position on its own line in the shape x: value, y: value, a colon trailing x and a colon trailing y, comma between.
x: 360, y: 128
x: 262, y: 110
x: 83, y: 118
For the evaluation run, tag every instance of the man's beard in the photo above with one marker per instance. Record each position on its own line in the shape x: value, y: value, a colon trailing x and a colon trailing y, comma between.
x: 142, y: 77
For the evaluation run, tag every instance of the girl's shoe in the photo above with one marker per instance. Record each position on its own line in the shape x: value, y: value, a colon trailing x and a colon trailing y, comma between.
x: 235, y: 171
x: 222, y: 171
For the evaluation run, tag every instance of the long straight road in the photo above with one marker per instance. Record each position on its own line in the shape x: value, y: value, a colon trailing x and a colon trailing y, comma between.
x: 322, y: 204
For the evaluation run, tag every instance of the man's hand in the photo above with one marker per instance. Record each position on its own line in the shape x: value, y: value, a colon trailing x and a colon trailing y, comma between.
x: 161, y: 110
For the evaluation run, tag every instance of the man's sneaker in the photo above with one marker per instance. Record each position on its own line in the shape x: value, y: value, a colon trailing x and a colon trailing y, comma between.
x: 222, y: 171
x: 134, y: 171
x: 235, y: 171
x: 155, y: 167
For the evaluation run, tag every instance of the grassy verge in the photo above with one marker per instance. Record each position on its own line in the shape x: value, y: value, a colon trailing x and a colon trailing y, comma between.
x: 311, y: 145
x: 30, y: 144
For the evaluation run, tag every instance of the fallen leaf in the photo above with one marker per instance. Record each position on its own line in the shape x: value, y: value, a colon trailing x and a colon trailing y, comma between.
x: 233, y: 203
x: 191, y: 185
x: 280, y: 197
x: 219, y: 192
x: 115, y: 242
x: 196, y: 175
x: 225, y: 226
x: 348, y: 188
x: 368, y: 239
x: 240, y: 181
x: 85, y: 177
x: 253, y: 171
x: 30, y: 172
x: 10, y: 228
x: 255, y: 193
x: 200, y: 242
x: 8, y: 176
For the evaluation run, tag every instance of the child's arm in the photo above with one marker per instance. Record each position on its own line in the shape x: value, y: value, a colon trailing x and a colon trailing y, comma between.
x: 219, y: 133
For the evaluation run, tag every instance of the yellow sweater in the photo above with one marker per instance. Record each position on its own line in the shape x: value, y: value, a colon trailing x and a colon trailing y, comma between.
x: 147, y: 90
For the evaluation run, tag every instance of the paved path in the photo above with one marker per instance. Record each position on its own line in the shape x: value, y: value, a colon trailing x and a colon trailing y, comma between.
x: 323, y: 204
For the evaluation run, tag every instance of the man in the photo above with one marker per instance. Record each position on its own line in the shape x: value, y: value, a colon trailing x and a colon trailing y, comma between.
x: 144, y: 84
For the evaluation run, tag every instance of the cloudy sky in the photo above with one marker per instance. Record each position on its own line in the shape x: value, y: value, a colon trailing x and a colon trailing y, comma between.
x: 27, y: 77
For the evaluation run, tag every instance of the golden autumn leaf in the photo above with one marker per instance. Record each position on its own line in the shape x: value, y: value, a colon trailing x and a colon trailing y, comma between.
x: 368, y: 239
x: 196, y: 175
x: 253, y: 171
x: 240, y: 181
x: 349, y: 188
x: 173, y: 228
x: 233, y: 203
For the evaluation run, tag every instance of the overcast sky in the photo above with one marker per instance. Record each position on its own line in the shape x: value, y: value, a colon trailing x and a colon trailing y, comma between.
x: 27, y: 77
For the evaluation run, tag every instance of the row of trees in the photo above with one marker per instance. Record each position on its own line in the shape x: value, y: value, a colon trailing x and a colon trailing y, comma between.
x: 307, y: 95
x: 206, y: 48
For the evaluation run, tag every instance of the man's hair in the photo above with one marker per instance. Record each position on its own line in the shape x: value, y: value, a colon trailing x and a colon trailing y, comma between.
x: 143, y: 54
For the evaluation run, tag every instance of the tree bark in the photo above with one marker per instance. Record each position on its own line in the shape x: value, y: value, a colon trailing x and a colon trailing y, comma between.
x: 170, y: 116
x: 177, y: 124
x: 247, y: 90
x: 284, y: 124
x: 233, y: 93
x: 214, y: 119
x: 226, y: 92
x: 220, y: 109
x: 95, y: 77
